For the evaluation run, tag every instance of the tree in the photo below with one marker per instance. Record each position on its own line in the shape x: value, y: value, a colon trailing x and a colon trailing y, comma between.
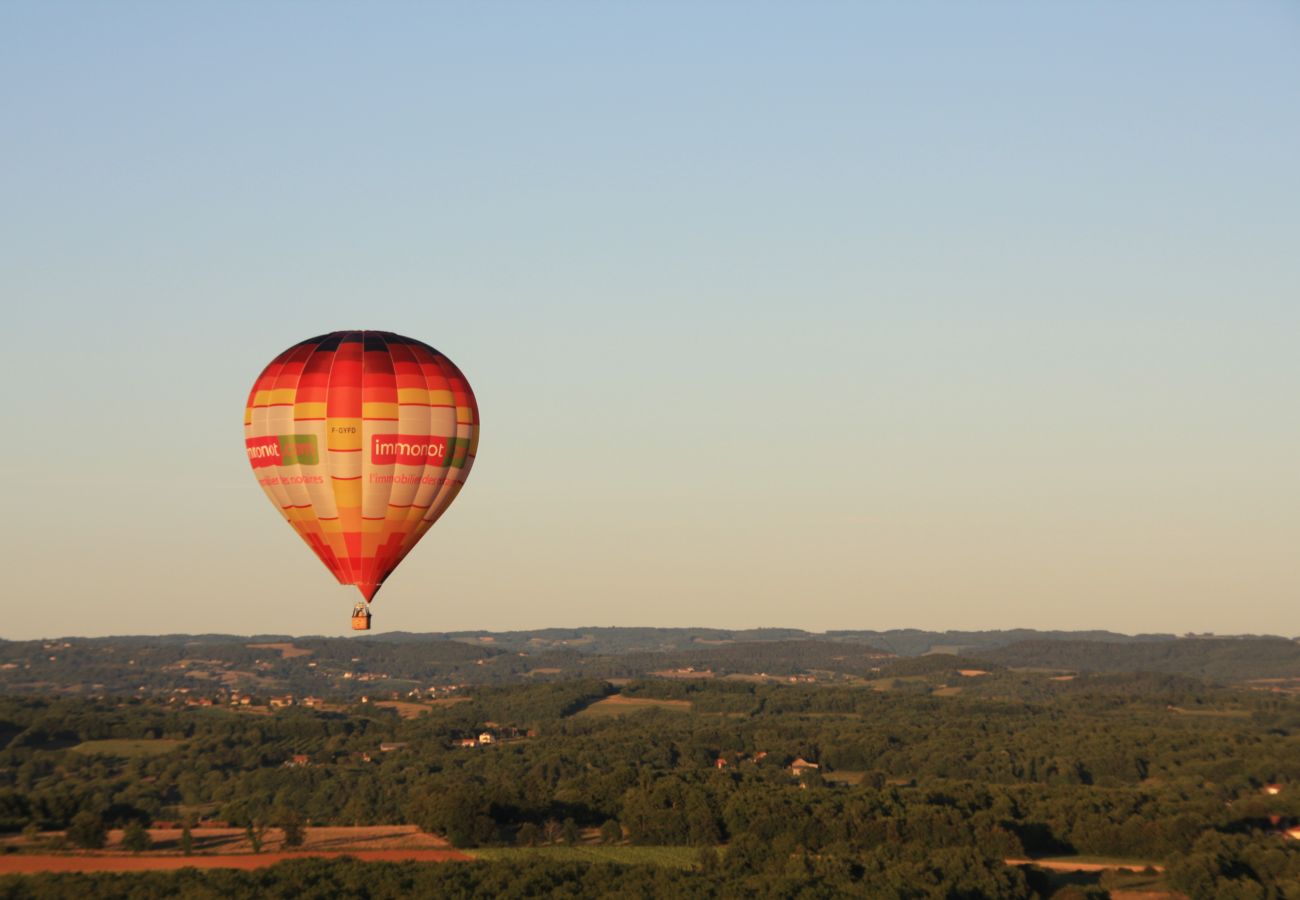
x: 293, y: 830
x: 702, y: 827
x: 87, y: 829
x: 571, y: 833
x: 255, y: 833
x: 611, y: 832
x: 187, y: 840
x: 528, y: 836
x: 462, y: 812
x: 552, y: 831
x: 136, y: 837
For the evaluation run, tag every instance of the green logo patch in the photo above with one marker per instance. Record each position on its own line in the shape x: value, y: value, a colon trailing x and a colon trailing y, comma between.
x: 298, y: 449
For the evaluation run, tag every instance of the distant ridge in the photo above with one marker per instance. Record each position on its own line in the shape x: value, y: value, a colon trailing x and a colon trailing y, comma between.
x: 395, y: 664
x: 1220, y: 658
x: 620, y: 639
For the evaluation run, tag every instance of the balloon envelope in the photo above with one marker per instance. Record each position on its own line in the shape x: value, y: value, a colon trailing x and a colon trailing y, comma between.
x: 361, y: 439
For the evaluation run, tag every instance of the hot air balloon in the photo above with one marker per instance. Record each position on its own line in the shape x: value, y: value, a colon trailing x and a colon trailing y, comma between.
x: 361, y: 439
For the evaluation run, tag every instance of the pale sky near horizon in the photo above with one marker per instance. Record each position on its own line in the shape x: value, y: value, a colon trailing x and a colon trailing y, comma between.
x: 835, y: 315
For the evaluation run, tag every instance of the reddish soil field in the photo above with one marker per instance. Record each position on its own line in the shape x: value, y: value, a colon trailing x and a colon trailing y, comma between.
x: 26, y: 865
x: 228, y: 848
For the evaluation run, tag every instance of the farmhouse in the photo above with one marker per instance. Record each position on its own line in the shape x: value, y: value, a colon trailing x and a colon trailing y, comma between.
x: 801, y: 765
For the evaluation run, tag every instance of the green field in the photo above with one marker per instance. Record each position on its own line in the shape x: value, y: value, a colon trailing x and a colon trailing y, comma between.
x: 618, y: 705
x: 1125, y: 876
x: 1114, y: 862
x: 894, y: 682
x: 671, y: 857
x: 1219, y: 713
x: 127, y: 749
x: 845, y: 776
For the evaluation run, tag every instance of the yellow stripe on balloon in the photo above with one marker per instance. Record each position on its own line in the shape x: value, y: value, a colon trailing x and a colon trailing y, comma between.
x: 379, y: 410
x: 413, y: 395
x: 347, y: 494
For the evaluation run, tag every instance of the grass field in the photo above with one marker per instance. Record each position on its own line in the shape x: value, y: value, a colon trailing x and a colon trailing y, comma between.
x: 1123, y: 877
x: 845, y: 776
x: 671, y: 857
x: 892, y: 682
x: 404, y: 708
x: 287, y: 649
x: 127, y: 749
x: 1104, y: 862
x: 1213, y: 713
x: 618, y: 705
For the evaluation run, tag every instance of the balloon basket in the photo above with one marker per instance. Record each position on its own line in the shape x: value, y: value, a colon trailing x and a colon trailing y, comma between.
x: 360, y: 619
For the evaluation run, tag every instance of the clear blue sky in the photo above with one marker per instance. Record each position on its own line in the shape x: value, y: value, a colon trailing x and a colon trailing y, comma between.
x: 829, y: 315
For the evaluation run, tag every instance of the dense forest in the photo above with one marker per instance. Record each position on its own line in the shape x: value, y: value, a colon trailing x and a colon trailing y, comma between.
x: 900, y: 776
